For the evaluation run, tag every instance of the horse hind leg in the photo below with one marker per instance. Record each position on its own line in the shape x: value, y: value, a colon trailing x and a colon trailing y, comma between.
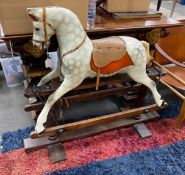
x: 140, y: 76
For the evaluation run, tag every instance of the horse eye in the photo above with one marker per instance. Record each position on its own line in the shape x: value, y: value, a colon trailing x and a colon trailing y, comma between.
x: 37, y: 29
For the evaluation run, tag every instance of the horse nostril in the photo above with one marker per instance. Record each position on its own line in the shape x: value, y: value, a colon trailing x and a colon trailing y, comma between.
x: 33, y: 43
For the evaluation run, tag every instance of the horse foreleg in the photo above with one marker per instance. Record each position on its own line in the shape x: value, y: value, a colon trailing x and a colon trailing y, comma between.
x: 66, y: 86
x: 50, y: 76
x: 140, y: 76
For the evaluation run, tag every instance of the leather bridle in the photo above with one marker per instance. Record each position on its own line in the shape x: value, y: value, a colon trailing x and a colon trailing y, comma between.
x: 45, y: 23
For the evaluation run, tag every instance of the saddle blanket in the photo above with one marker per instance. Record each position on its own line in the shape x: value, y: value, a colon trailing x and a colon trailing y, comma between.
x: 109, y: 55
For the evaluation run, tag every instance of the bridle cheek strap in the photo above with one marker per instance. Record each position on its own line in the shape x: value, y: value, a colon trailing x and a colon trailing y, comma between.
x: 44, y: 23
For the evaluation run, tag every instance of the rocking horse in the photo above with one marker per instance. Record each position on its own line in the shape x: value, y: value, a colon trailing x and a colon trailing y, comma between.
x: 80, y: 58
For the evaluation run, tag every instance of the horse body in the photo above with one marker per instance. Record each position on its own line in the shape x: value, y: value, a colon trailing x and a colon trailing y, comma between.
x: 75, y: 66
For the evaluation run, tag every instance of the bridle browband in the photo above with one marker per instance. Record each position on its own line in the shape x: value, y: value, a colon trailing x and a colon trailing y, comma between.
x: 45, y: 23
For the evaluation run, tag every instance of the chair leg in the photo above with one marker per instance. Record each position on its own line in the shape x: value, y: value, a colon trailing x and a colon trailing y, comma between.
x: 159, y: 4
x: 173, y: 8
x: 181, y: 116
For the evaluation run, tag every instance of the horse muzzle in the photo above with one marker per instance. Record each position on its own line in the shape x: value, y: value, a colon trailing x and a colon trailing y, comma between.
x: 40, y: 44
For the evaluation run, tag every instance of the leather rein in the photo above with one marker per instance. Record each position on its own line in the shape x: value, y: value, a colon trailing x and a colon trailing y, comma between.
x: 45, y: 23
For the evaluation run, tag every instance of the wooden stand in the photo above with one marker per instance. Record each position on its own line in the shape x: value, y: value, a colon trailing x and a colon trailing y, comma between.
x: 134, y: 116
x: 66, y: 136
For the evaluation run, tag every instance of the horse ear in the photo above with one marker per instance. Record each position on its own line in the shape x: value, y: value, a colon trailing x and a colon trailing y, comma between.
x: 32, y: 13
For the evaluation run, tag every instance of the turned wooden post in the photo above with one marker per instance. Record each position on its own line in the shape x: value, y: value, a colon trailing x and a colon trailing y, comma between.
x: 159, y: 4
x: 181, y: 116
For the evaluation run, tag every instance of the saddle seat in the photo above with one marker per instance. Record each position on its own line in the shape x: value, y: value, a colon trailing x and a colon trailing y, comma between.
x: 109, y: 55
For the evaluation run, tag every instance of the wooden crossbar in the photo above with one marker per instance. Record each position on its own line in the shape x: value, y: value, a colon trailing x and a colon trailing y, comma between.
x: 170, y: 73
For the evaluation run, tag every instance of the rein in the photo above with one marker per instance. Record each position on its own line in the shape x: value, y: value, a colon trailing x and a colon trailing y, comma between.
x: 77, y: 47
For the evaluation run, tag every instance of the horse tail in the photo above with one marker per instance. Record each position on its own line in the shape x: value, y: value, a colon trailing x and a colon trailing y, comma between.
x: 147, y: 49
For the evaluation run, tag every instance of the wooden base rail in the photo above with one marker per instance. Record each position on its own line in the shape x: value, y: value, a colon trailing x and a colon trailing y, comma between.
x: 97, y: 121
x: 35, y: 144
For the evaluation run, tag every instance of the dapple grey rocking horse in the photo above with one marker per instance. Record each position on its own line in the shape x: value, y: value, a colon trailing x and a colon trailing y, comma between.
x: 80, y: 57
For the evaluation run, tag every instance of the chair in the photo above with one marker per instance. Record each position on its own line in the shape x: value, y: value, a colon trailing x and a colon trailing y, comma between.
x: 170, y: 51
x: 173, y: 6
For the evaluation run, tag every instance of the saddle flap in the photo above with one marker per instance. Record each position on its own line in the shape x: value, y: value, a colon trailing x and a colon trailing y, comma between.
x: 107, y: 50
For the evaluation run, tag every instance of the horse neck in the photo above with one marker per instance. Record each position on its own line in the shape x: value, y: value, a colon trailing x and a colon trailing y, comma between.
x: 70, y: 32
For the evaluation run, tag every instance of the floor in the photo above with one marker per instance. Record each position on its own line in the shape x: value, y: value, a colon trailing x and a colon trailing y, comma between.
x: 12, y: 114
x: 12, y: 101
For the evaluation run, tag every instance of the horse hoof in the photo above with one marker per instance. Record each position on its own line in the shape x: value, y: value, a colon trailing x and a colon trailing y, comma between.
x: 39, y: 129
x: 164, y: 104
x: 35, y: 135
x: 40, y: 84
x: 32, y: 100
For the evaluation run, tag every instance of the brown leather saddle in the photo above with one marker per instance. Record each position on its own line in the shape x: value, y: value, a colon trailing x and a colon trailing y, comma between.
x: 107, y: 50
x: 109, y: 55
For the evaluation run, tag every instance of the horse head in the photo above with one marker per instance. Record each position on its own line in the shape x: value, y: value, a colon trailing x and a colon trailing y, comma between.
x: 42, y: 28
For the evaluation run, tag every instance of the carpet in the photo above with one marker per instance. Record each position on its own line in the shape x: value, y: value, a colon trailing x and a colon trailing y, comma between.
x: 119, y: 152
